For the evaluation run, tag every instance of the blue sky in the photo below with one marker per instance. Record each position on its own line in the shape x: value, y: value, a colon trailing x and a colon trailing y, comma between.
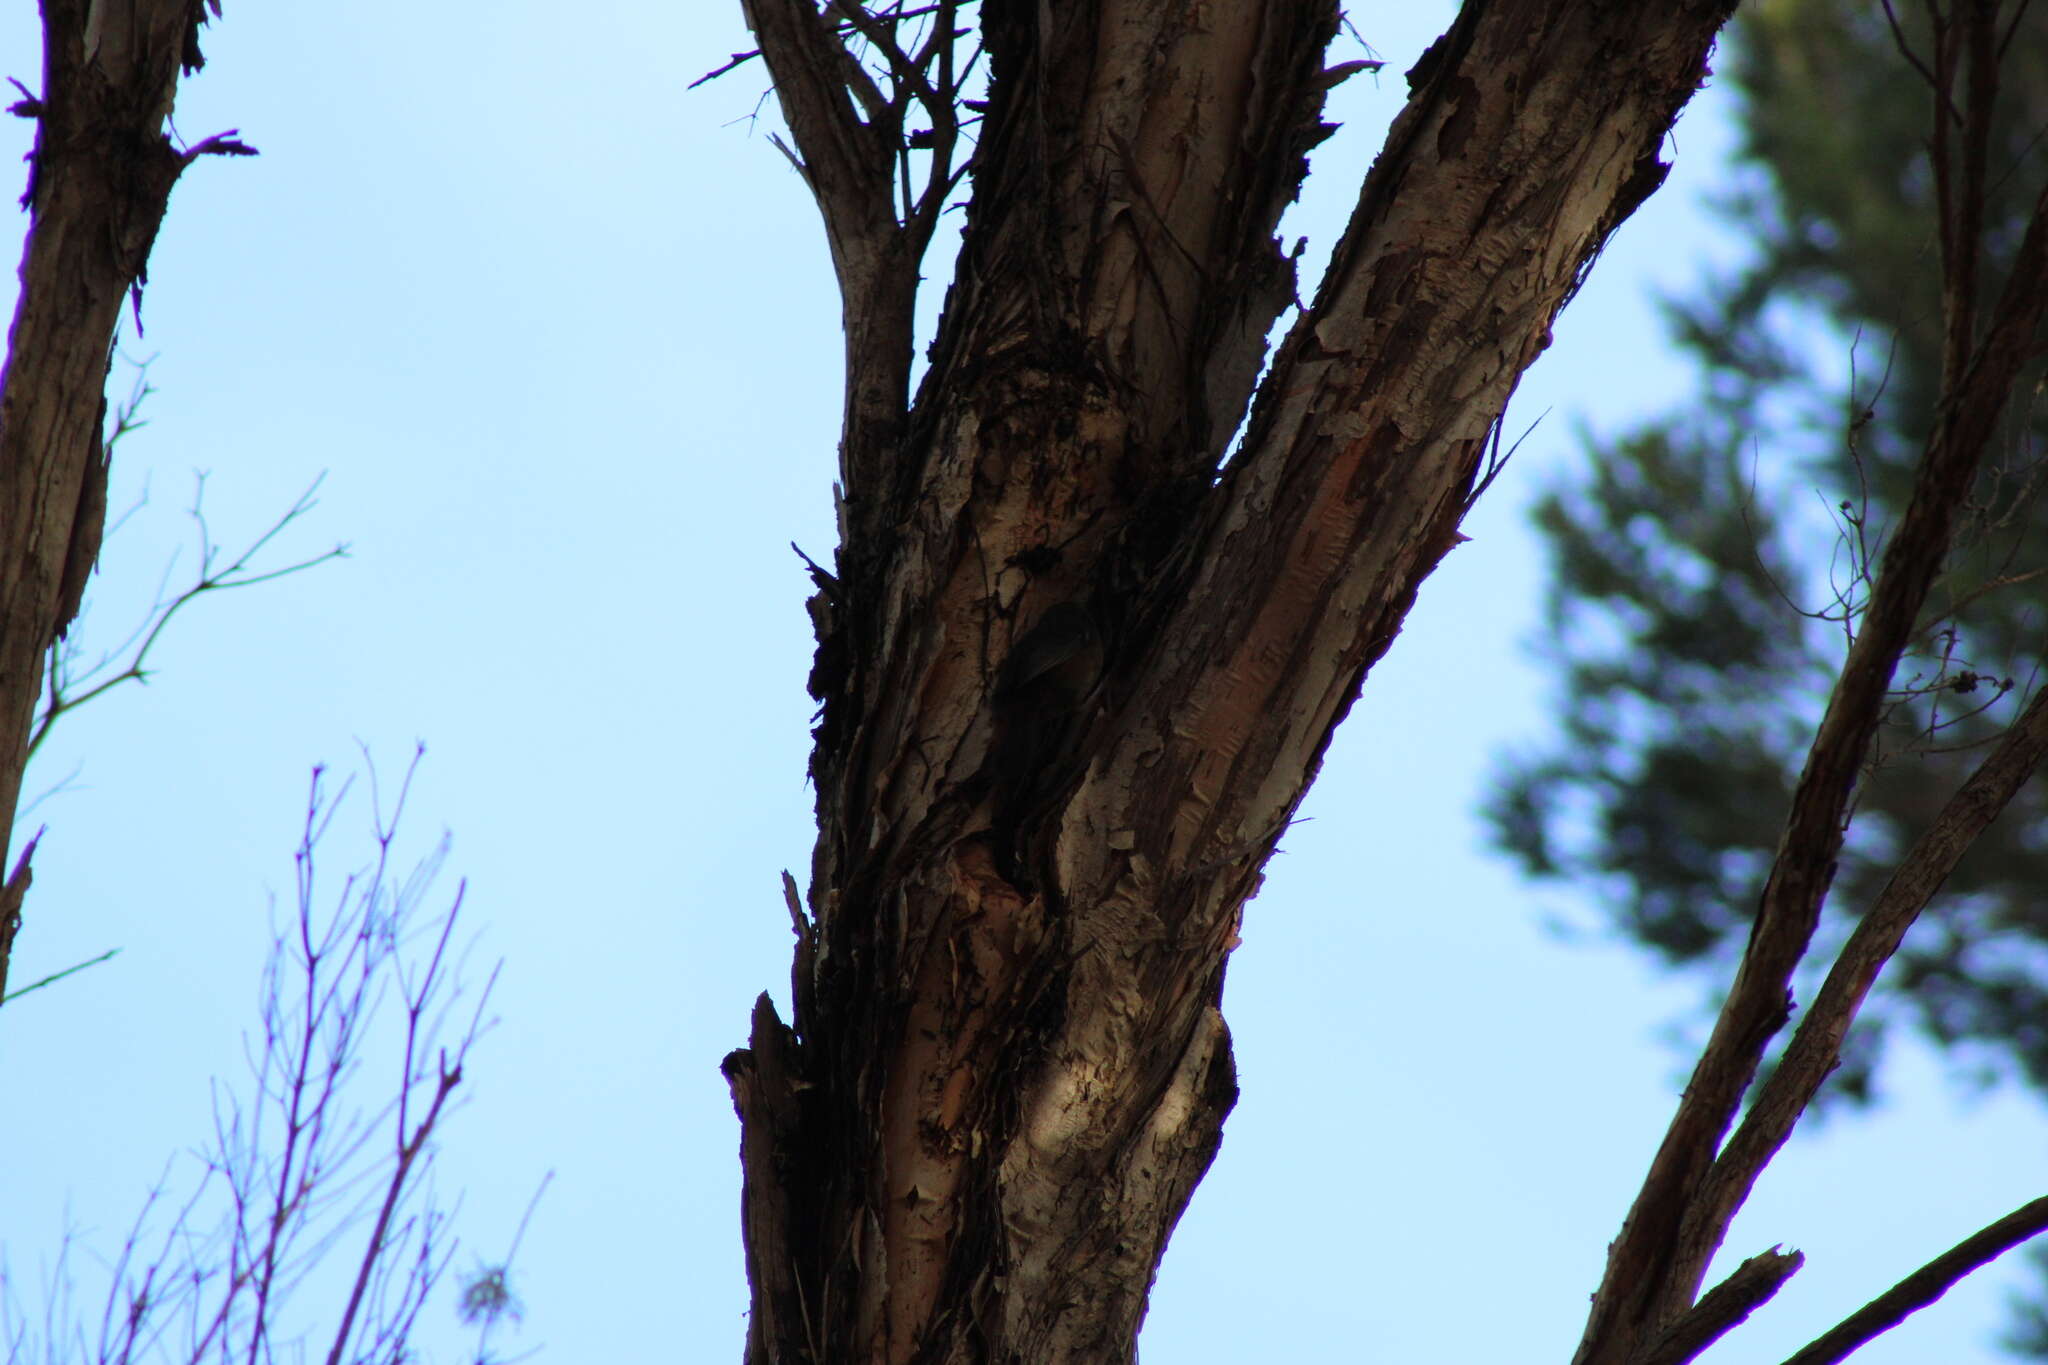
x: 563, y: 339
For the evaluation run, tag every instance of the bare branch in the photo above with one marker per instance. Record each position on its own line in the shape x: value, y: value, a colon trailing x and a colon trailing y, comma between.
x: 128, y: 661
x: 293, y: 1168
x: 1914, y: 60
x: 1924, y: 1285
x: 1724, y: 1306
x: 737, y: 60
x: 59, y: 976
x: 1817, y: 1045
x: 856, y: 154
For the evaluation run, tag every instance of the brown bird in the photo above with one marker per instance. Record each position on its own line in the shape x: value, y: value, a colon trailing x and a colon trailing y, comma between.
x: 1041, y: 693
x: 1056, y: 664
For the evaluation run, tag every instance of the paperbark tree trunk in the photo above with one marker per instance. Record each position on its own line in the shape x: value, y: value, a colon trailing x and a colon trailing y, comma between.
x: 1076, y: 669
x: 100, y: 176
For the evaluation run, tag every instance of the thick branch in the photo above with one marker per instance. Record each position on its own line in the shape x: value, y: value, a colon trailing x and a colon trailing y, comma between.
x: 1504, y: 175
x: 1085, y: 684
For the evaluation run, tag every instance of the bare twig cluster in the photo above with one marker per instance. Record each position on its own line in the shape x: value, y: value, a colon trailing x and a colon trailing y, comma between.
x: 907, y: 68
x: 1649, y: 1306
x: 73, y: 681
x: 876, y: 96
x: 305, y: 1191
x: 1953, y: 689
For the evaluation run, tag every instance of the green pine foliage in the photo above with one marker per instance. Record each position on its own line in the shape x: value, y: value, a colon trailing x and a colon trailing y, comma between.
x: 1708, y: 566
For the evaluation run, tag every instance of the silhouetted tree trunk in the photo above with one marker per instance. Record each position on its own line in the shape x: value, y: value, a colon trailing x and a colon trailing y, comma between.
x: 100, y: 177
x: 1076, y: 670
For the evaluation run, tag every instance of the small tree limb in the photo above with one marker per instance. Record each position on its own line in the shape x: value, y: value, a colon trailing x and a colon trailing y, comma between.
x: 1924, y: 1285
x: 55, y: 977
x: 1726, y: 1305
x: 1817, y: 1044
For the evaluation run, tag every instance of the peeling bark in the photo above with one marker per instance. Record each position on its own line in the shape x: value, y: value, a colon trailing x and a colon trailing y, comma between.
x: 1008, y: 1067
x: 100, y: 176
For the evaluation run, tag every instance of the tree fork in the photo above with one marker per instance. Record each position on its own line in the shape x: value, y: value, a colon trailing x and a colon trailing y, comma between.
x: 1008, y: 1068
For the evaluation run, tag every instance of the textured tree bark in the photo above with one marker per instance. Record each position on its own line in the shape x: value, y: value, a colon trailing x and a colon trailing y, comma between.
x: 1076, y: 670
x: 99, y: 179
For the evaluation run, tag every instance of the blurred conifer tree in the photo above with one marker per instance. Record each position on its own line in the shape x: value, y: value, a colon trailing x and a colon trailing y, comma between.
x: 1703, y: 563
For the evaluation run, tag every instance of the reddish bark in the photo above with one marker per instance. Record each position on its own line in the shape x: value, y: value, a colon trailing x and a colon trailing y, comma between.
x: 1008, y: 1068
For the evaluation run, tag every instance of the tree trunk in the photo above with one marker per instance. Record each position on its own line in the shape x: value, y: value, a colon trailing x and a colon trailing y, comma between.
x: 100, y: 177
x: 1076, y: 670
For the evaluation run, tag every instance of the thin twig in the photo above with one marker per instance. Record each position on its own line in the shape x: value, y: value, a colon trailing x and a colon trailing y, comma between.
x: 59, y: 976
x: 239, y: 572
x: 738, y: 60
x: 1913, y: 58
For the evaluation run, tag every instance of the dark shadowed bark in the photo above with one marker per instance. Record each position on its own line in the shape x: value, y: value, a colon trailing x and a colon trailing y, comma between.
x: 100, y: 176
x: 1075, y: 670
